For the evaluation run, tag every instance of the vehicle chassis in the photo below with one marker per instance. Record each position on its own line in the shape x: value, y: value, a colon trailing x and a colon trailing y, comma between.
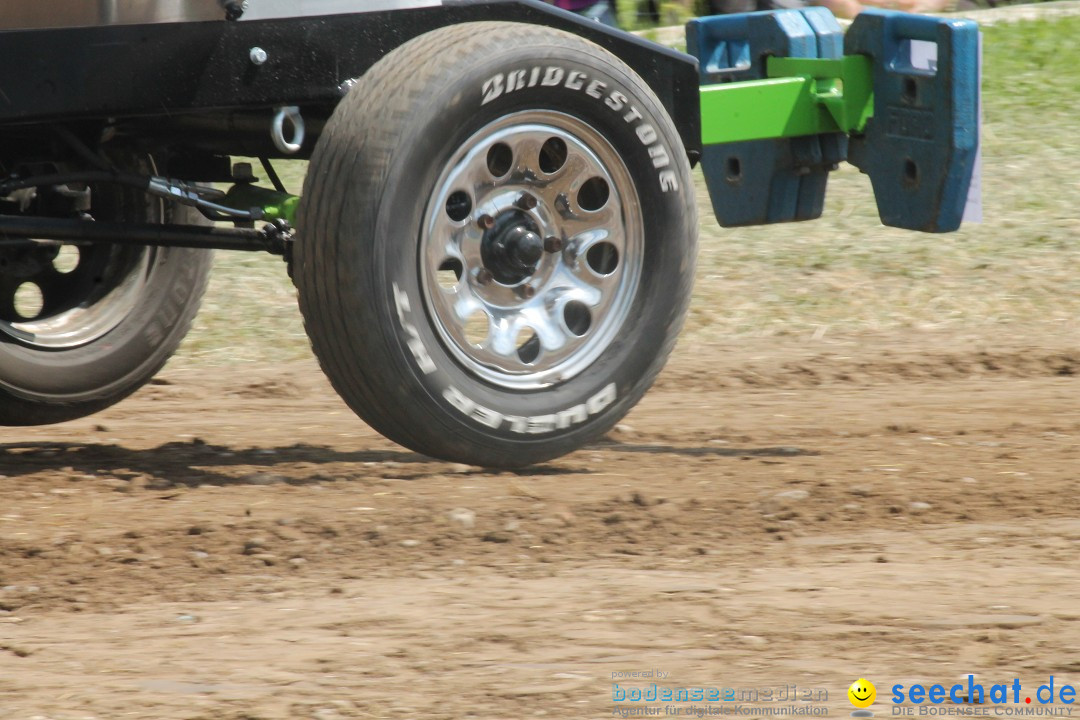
x: 556, y: 204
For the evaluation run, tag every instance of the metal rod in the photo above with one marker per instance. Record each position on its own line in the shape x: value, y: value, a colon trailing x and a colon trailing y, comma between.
x: 177, y: 191
x: 81, y: 149
x: 271, y: 175
x: 14, y: 227
x: 86, y: 176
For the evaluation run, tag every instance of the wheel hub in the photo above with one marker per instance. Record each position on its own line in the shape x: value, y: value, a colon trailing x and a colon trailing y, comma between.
x: 512, y: 247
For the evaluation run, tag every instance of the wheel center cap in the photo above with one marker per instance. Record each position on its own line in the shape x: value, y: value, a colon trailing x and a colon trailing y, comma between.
x: 512, y: 247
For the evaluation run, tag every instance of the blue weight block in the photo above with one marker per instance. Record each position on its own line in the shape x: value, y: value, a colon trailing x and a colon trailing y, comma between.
x: 766, y: 181
x: 919, y: 148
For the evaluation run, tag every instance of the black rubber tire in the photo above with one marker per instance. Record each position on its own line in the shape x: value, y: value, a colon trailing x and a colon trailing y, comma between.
x: 372, y: 171
x: 40, y: 386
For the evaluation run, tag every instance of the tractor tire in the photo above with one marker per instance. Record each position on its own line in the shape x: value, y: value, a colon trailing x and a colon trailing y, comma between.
x: 496, y: 243
x: 82, y: 327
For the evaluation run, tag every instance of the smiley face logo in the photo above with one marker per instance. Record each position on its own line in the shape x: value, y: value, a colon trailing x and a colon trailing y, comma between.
x: 862, y: 693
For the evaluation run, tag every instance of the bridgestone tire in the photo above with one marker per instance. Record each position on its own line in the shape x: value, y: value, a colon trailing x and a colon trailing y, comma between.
x: 43, y: 383
x: 367, y: 247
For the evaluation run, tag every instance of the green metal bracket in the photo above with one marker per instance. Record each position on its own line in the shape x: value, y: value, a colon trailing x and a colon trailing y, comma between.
x: 845, y: 86
x: 802, y: 96
x: 274, y: 205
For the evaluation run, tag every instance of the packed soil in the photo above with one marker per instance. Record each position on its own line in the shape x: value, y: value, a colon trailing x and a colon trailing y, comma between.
x: 233, y: 544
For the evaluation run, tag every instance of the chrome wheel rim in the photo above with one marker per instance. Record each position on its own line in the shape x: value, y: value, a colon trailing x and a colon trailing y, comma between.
x: 531, y: 252
x: 60, y: 297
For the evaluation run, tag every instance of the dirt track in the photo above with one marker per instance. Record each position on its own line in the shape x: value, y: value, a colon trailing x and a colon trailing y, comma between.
x: 236, y: 545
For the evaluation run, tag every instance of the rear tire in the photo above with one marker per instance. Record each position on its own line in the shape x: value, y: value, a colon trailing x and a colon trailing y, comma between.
x: 107, y: 322
x: 514, y: 174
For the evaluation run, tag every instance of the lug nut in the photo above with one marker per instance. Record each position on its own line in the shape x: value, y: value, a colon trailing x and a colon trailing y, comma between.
x: 526, y: 201
x: 553, y: 244
x: 483, y: 276
x: 527, y: 291
x: 485, y: 221
x: 562, y: 204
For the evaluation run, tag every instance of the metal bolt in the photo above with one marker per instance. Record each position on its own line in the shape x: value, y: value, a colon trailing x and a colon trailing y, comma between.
x: 258, y: 56
x: 483, y: 276
x: 346, y: 86
x: 485, y: 221
x: 527, y: 291
x: 526, y: 201
x: 553, y: 244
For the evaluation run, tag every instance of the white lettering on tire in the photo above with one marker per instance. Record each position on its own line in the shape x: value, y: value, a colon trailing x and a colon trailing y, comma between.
x: 616, y: 101
x: 646, y: 134
x: 493, y: 88
x: 413, y: 341
x: 534, y: 425
x: 553, y: 75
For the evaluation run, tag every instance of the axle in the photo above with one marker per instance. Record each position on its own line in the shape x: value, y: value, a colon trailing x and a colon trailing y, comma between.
x: 273, y: 238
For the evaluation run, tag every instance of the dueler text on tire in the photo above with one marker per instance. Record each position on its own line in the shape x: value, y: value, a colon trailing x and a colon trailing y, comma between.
x: 496, y: 243
x: 83, y: 327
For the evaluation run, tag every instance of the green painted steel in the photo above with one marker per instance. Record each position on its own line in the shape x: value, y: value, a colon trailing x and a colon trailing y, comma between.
x: 803, y: 96
x: 845, y: 86
x: 274, y: 205
x: 759, y: 109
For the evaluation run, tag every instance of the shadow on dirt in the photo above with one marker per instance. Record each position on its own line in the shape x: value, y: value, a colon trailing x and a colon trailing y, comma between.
x: 698, y: 451
x: 199, y: 463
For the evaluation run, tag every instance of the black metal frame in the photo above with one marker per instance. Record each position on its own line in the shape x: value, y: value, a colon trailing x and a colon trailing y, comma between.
x: 193, y: 88
x: 184, y: 69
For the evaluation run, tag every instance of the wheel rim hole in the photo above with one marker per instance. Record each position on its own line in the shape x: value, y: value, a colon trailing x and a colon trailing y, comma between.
x: 577, y: 317
x: 29, y: 301
x: 602, y: 258
x: 458, y: 205
x: 528, y: 346
x: 594, y: 194
x: 476, y: 328
x: 500, y: 159
x: 450, y: 273
x: 67, y: 259
x: 553, y: 155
